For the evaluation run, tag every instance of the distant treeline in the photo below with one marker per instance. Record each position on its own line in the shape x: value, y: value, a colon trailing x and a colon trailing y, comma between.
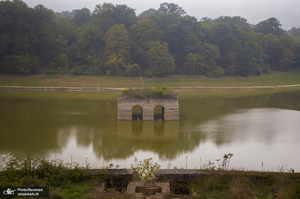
x: 113, y: 40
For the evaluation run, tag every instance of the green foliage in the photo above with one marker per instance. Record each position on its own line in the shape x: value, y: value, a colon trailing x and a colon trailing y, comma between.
x: 216, y: 72
x: 117, y: 47
x: 162, y: 92
x: 114, y: 41
x: 196, y: 64
x: 132, y: 70
x: 17, y: 171
x: 158, y: 59
x: 146, y: 170
x: 82, y: 16
x: 19, y: 64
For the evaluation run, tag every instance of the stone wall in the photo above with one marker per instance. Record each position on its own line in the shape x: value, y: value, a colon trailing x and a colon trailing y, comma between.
x: 125, y: 105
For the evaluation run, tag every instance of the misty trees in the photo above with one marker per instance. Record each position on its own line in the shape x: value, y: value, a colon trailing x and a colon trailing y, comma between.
x: 142, y: 33
x: 158, y: 59
x: 117, y: 47
x: 269, y: 26
x: 26, y: 37
x: 107, y: 14
x: 112, y: 40
x: 82, y: 16
x: 171, y: 8
x: 277, y: 44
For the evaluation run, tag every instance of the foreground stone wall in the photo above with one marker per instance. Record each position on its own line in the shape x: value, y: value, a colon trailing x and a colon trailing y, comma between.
x: 125, y: 105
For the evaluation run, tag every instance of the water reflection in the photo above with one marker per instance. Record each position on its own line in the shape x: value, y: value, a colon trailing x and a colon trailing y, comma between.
x: 264, y: 125
x: 208, y: 128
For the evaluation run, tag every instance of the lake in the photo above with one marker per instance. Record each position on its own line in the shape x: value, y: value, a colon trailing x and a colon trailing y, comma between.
x: 262, y: 131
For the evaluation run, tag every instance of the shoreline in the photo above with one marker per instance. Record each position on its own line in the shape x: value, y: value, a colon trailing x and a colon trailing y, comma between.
x: 120, y: 89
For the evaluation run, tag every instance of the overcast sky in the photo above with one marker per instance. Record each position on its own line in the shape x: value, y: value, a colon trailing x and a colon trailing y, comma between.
x: 255, y: 11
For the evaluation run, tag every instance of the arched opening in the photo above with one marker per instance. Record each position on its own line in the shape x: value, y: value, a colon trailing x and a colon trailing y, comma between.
x: 137, y: 113
x: 159, y: 112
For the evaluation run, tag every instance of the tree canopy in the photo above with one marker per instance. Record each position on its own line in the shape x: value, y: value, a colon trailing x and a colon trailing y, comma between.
x: 113, y: 40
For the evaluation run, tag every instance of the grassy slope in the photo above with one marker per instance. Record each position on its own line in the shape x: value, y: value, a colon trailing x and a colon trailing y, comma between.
x: 274, y: 78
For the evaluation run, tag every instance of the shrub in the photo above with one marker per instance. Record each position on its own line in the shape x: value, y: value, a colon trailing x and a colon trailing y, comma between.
x: 161, y: 92
x: 148, y: 73
x: 125, y: 91
x: 132, y: 70
x: 154, y: 92
x: 146, y: 93
x: 146, y: 170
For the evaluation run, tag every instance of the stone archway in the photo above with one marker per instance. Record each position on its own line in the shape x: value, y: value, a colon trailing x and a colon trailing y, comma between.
x: 127, y: 109
x: 137, y: 112
x: 159, y: 112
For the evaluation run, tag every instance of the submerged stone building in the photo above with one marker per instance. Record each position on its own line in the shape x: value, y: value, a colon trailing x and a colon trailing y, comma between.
x: 168, y: 109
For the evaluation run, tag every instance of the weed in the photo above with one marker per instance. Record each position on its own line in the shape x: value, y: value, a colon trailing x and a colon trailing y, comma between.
x: 240, y: 188
x: 221, y: 166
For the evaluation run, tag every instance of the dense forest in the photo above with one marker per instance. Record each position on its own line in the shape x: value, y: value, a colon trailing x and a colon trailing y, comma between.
x: 113, y: 40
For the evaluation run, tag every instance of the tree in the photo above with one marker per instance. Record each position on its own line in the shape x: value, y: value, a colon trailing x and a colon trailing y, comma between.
x: 91, y: 40
x: 269, y: 26
x: 19, y: 64
x: 60, y: 61
x: 107, y: 14
x: 145, y: 31
x: 171, y: 8
x: 44, y: 22
x: 82, y: 16
x: 181, y: 33
x: 195, y: 64
x: 239, y: 21
x: 17, y: 28
x: 274, y: 49
x: 229, y: 46
x: 211, y: 53
x: 20, y: 37
x: 148, y: 13
x: 246, y: 62
x: 117, y: 47
x: 158, y: 59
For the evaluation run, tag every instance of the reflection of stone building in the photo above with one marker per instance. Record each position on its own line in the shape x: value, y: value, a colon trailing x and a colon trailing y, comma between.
x: 148, y: 131
x: 169, y: 109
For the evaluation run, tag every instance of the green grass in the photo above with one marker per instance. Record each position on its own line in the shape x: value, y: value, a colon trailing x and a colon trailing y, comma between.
x: 73, y: 191
x: 273, y: 78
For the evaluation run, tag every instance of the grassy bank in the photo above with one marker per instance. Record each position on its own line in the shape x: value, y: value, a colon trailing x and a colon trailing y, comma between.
x: 182, y: 93
x: 69, y: 181
x: 270, y: 79
x: 232, y: 184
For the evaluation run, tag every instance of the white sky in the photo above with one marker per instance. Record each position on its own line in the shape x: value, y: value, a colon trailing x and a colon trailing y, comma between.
x: 255, y: 11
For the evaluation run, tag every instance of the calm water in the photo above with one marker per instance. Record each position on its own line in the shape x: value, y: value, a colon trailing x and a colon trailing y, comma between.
x: 70, y: 127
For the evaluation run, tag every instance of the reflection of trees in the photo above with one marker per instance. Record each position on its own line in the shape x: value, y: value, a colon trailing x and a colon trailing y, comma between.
x: 197, y: 110
x: 41, y: 125
x: 132, y: 136
x: 44, y: 125
x: 194, y: 111
x: 25, y: 128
